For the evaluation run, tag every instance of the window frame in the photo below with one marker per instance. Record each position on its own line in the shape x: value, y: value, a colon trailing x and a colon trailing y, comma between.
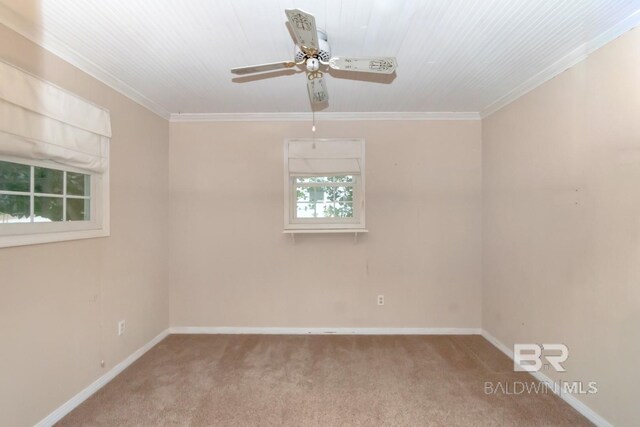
x: 30, y: 233
x: 332, y: 220
x: 355, y: 223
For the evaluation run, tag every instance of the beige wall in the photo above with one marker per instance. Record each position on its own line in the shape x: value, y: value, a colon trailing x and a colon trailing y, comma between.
x: 60, y: 302
x: 562, y: 223
x: 232, y: 266
x: 560, y: 254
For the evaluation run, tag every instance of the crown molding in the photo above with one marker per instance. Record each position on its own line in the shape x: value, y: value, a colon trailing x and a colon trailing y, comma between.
x: 297, y: 117
x: 49, y: 42
x: 572, y: 58
x: 46, y: 40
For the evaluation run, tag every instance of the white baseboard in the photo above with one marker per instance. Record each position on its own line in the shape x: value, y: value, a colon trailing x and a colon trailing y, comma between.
x: 573, y: 401
x: 76, y: 400
x: 323, y: 331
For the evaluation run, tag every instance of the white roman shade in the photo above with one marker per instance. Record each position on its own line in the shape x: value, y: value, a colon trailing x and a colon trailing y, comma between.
x: 325, y: 157
x: 41, y: 121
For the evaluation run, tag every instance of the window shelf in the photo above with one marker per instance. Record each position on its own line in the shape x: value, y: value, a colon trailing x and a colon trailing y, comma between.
x: 327, y: 231
x: 354, y: 231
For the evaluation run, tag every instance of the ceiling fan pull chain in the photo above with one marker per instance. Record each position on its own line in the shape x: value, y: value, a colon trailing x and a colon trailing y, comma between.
x: 313, y: 128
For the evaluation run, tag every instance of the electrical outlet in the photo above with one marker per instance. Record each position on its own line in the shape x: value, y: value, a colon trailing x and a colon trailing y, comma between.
x: 380, y: 299
x: 121, y: 327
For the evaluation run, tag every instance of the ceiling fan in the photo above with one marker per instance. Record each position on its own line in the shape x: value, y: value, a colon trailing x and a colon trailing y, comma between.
x: 312, y: 53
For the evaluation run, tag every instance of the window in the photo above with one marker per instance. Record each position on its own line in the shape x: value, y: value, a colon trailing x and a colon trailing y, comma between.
x: 329, y: 197
x: 37, y: 194
x: 54, y: 162
x: 37, y: 199
x: 324, y: 184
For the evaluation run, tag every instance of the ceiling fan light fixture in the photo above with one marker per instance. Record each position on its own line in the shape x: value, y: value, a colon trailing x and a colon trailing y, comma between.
x: 313, y: 64
x: 312, y: 50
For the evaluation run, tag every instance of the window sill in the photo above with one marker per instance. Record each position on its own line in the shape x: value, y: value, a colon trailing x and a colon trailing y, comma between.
x: 354, y: 231
x: 326, y: 231
x: 40, y: 238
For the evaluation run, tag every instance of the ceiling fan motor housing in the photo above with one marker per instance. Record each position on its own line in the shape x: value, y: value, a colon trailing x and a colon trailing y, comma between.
x: 324, y: 54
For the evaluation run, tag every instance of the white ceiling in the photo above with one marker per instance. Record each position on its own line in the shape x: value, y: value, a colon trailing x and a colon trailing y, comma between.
x: 453, y: 55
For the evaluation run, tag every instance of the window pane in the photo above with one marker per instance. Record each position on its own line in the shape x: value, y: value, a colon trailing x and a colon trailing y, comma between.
x: 305, y: 210
x: 78, y: 184
x: 342, y: 210
x: 14, y: 177
x: 324, y: 210
x: 14, y: 208
x: 317, y: 194
x: 313, y: 210
x: 313, y: 194
x: 340, y: 194
x: 302, y: 194
x: 310, y: 194
x: 78, y: 210
x: 48, y: 181
x: 324, y: 194
x: 47, y: 209
x: 339, y: 178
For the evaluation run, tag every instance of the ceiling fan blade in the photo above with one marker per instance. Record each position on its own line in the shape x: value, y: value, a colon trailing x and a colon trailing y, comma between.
x: 317, y: 91
x: 263, y: 67
x: 303, y: 25
x: 379, y: 65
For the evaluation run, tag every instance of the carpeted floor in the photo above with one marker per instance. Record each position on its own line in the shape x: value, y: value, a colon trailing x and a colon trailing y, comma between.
x: 273, y: 380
